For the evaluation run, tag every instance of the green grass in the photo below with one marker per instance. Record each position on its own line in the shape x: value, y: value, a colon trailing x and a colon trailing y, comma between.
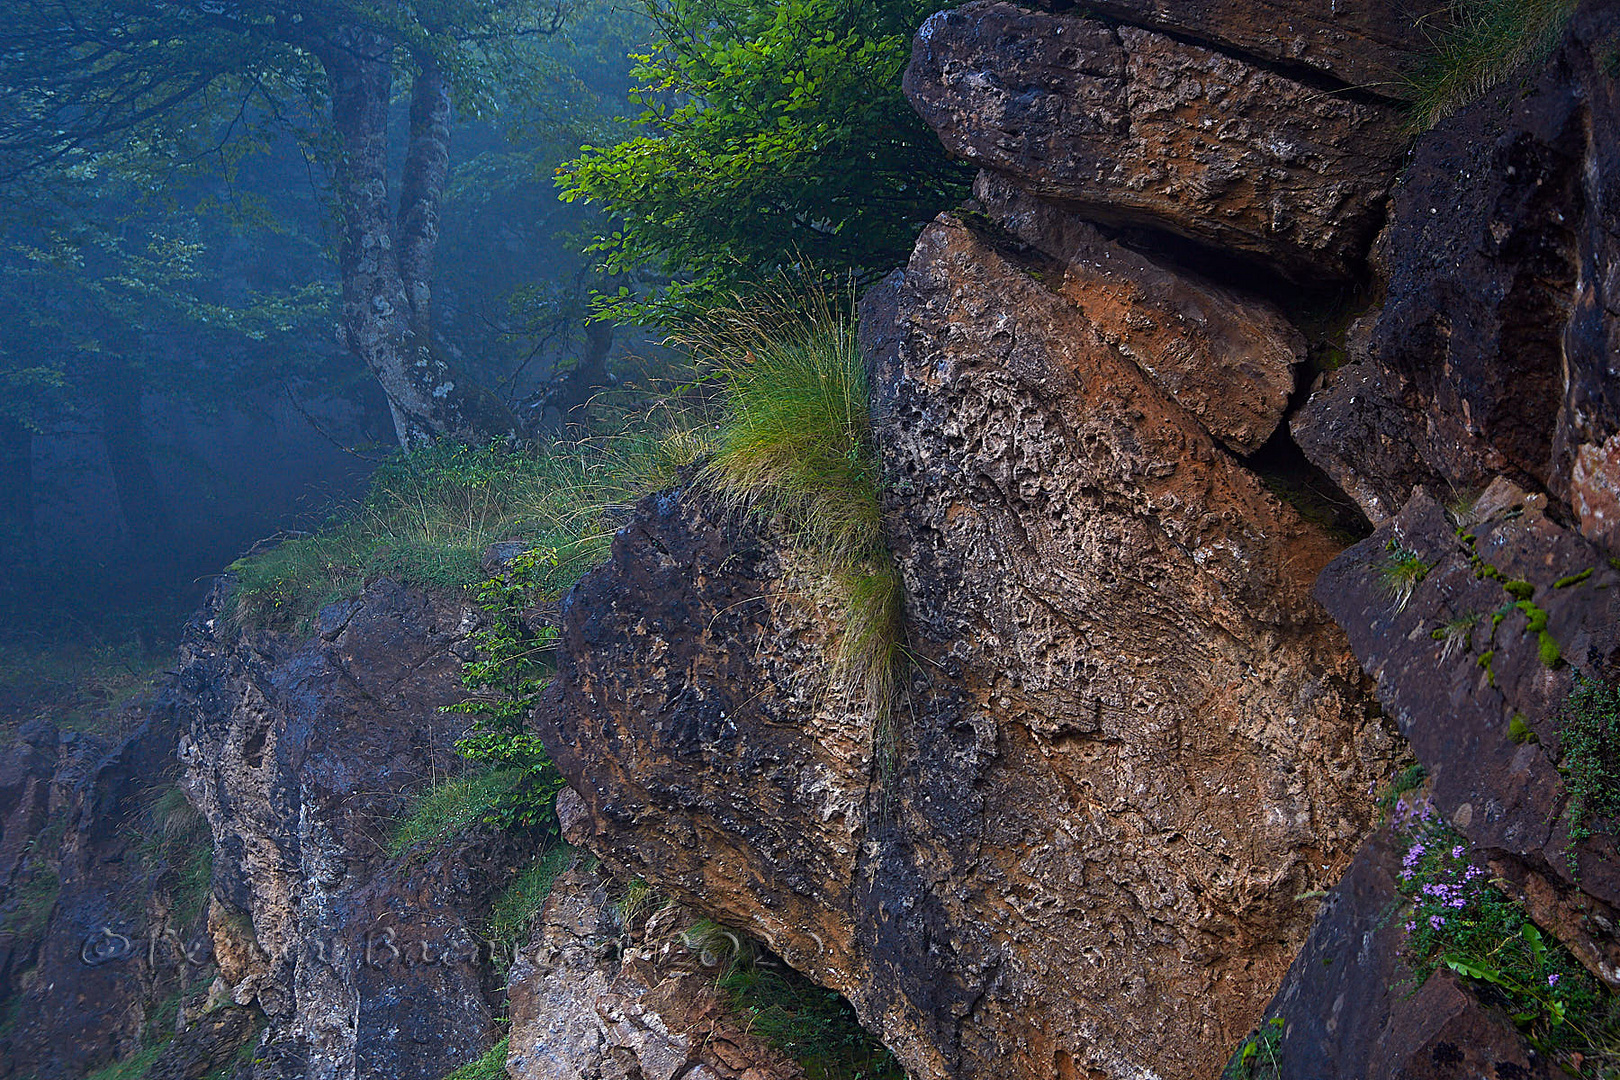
x: 1258, y: 1056
x: 1485, y: 42
x: 32, y: 902
x: 1589, y: 743
x: 430, y: 516
x: 515, y: 908
x: 131, y: 1068
x: 816, y: 1026
x: 795, y: 442
x: 448, y: 807
x: 1401, y: 572
x: 1455, y: 634
x: 491, y: 1065
x: 174, y: 841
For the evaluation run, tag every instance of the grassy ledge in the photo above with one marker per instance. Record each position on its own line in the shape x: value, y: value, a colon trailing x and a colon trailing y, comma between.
x: 1486, y: 42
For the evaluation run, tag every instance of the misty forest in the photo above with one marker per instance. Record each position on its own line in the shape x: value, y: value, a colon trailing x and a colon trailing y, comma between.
x: 809, y: 539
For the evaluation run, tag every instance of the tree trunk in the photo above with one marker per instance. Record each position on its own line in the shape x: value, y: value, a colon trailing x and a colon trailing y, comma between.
x: 387, y: 269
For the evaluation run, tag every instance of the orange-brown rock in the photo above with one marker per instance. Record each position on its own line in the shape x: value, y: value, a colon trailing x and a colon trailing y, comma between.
x: 1368, y: 45
x: 1227, y: 358
x: 1130, y: 125
x: 1129, y: 740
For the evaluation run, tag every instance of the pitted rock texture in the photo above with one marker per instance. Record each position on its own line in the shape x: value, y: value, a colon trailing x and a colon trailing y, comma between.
x: 1129, y: 741
x: 1496, y: 350
x: 1227, y: 358
x: 1456, y: 706
x: 1128, y: 125
x: 302, y: 756
x: 1368, y: 45
x: 1349, y: 1009
x: 595, y: 998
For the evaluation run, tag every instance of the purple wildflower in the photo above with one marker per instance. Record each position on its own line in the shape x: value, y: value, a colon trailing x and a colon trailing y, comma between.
x: 1552, y: 980
x: 1436, y: 921
x: 1457, y: 852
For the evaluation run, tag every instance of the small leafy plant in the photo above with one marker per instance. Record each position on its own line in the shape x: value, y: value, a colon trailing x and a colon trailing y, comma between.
x: 1458, y: 919
x: 1589, y: 742
x: 1259, y: 1057
x: 1455, y: 634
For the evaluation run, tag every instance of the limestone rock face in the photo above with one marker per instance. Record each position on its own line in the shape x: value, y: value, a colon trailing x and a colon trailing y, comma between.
x: 1130, y: 738
x: 595, y: 999
x: 1130, y: 125
x: 1366, y: 44
x: 1495, y: 352
x: 302, y: 756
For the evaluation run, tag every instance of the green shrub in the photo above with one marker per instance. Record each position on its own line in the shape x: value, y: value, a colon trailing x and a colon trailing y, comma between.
x: 513, y: 910
x: 491, y: 1065
x: 1589, y: 747
x: 816, y: 1026
x: 795, y: 442
x: 1485, y: 42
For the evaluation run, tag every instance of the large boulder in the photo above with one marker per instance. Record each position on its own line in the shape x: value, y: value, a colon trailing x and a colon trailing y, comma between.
x: 1131, y: 125
x: 1128, y: 742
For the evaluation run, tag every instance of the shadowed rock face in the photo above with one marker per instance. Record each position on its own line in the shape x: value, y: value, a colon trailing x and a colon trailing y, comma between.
x: 1128, y: 125
x: 302, y: 758
x: 1495, y: 350
x: 1129, y: 740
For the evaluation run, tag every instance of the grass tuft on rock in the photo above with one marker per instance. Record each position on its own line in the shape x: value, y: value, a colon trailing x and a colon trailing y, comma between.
x: 1484, y: 43
x: 450, y: 806
x: 795, y: 442
x: 514, y: 909
x: 430, y: 516
x: 816, y: 1026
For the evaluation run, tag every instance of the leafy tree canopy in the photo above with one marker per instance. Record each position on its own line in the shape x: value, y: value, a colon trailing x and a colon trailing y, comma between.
x: 776, y: 135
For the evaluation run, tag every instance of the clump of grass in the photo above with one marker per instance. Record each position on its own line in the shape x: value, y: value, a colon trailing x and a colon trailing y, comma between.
x: 1455, y: 634
x: 491, y: 1065
x: 1401, y: 572
x: 131, y: 1068
x: 795, y: 442
x: 1589, y: 746
x: 1484, y: 43
x: 175, y: 841
x: 452, y: 805
x: 430, y: 515
x: 816, y: 1026
x: 32, y: 903
x: 515, y: 908
x: 715, y: 946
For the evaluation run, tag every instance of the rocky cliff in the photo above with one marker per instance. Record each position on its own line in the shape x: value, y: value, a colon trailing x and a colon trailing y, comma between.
x: 1240, y: 450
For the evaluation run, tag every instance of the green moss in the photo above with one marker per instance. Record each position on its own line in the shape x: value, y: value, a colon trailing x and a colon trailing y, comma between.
x: 1519, y: 590
x: 491, y: 1065
x: 1483, y: 44
x: 1519, y: 731
x: 1573, y: 579
x: 1547, y: 648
